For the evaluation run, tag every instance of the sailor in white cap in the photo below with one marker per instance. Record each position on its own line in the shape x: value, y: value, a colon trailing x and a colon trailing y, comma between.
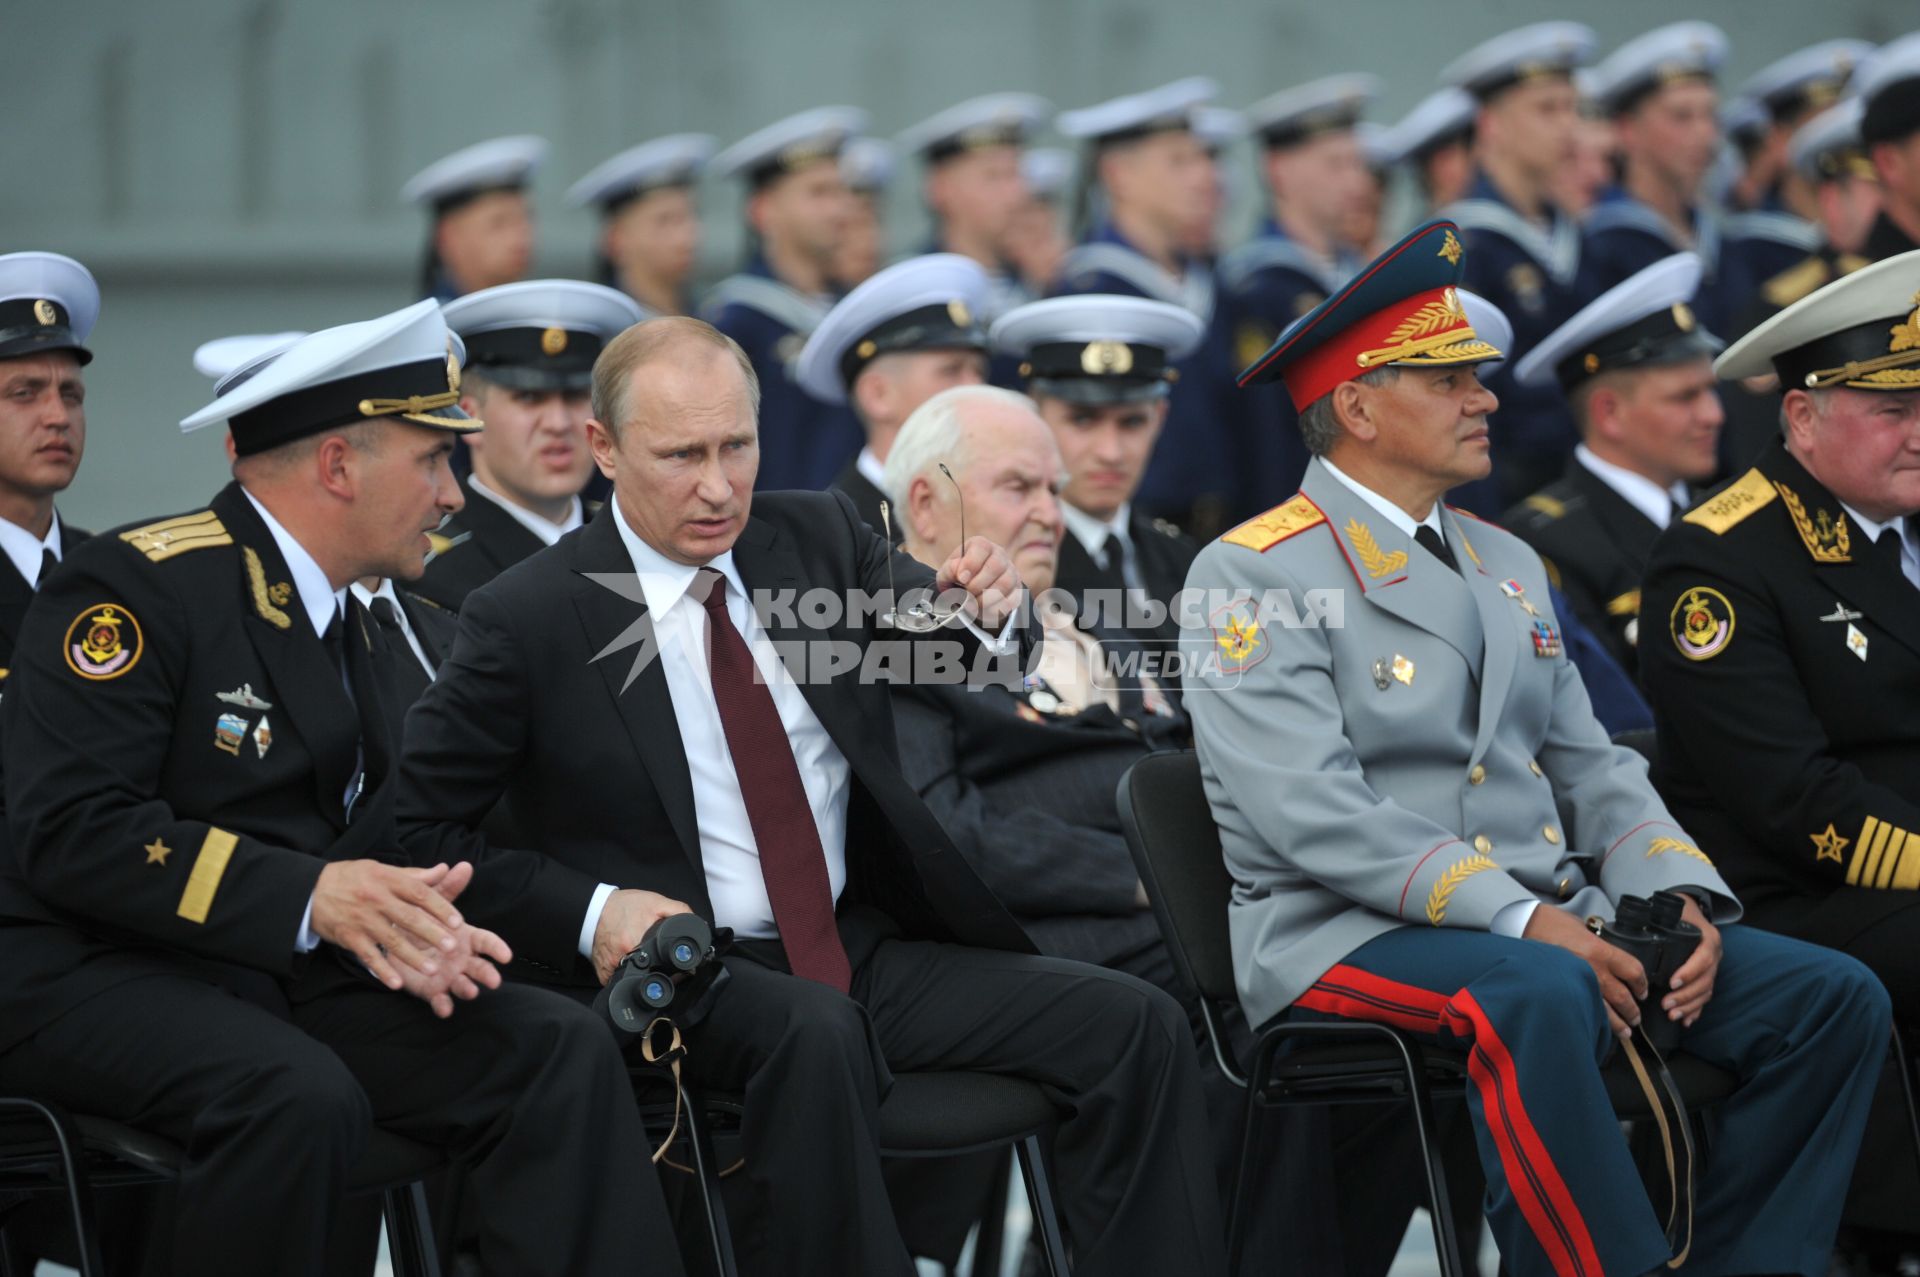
x: 867, y: 167
x: 1316, y: 179
x: 48, y: 305
x: 649, y: 219
x: 1156, y: 180
x: 972, y: 183
x: 1783, y: 225
x: 1889, y: 86
x: 1099, y: 367
x: 1435, y: 140
x: 1219, y: 128
x: 413, y: 635
x: 210, y: 863
x: 481, y: 230
x: 1781, y: 643
x: 1637, y: 367
x: 1590, y: 170
x: 1522, y: 248
x: 890, y: 345
x: 1661, y: 91
x: 1036, y: 239
x: 530, y: 352
x: 797, y: 210
x: 1747, y: 168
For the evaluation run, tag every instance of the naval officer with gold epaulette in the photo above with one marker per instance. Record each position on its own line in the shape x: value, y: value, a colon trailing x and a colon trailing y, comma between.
x: 1419, y: 812
x: 200, y: 805
x: 1780, y: 630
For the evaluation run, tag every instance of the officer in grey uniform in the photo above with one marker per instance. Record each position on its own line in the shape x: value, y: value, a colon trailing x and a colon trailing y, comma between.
x: 1399, y: 795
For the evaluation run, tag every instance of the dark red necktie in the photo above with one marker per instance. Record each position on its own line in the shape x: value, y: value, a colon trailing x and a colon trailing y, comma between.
x: 791, y: 859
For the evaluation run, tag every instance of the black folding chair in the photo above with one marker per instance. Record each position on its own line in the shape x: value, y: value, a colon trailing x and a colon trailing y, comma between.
x: 44, y: 1149
x: 943, y: 1114
x: 1176, y: 848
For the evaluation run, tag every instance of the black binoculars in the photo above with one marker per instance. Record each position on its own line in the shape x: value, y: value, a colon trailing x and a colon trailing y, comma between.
x: 674, y: 968
x: 1652, y: 931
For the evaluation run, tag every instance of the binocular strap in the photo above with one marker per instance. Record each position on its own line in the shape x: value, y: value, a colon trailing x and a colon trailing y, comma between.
x: 674, y: 1052
x: 1670, y: 1115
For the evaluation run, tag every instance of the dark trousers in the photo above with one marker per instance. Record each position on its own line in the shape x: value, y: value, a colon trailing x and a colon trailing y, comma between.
x: 1132, y: 1156
x: 523, y: 1087
x: 1802, y: 1028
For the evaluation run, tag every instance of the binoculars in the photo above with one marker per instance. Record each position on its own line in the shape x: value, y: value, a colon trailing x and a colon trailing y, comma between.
x: 674, y: 969
x: 1652, y: 931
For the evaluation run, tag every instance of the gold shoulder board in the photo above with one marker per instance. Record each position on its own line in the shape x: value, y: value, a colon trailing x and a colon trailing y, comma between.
x: 1749, y: 493
x: 1264, y: 531
x: 162, y: 540
x: 1795, y: 282
x: 1552, y: 507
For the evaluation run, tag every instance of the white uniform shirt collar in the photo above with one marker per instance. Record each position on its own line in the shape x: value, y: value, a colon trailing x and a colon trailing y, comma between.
x: 1092, y: 532
x: 546, y: 529
x: 662, y: 580
x: 871, y: 468
x: 25, y: 549
x: 1909, y: 552
x: 1392, y: 513
x: 316, y: 593
x: 1638, y: 491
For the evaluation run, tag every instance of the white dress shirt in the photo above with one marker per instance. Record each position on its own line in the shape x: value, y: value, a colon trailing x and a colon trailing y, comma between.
x: 546, y: 529
x: 1638, y: 491
x: 1512, y: 919
x: 24, y: 549
x: 727, y: 846
x: 386, y: 591
x: 871, y: 468
x: 1909, y: 554
x: 322, y: 602
x: 1092, y: 534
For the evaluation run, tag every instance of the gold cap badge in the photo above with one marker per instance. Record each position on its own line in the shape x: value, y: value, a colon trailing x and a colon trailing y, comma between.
x: 553, y: 341
x: 44, y: 312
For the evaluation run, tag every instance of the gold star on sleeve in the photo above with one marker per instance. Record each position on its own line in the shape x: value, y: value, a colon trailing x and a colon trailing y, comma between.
x: 157, y: 852
x: 1829, y: 845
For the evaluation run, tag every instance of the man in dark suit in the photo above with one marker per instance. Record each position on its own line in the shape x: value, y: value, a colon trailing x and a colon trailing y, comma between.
x: 679, y: 744
x: 48, y: 305
x: 1635, y: 366
x: 1099, y: 367
x: 200, y: 805
x: 900, y: 338
x: 530, y: 348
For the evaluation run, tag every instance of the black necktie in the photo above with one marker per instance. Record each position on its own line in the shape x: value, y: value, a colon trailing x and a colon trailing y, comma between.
x: 1430, y: 542
x: 1113, y: 571
x: 48, y: 562
x: 406, y: 677
x: 1887, y: 546
x: 334, y: 641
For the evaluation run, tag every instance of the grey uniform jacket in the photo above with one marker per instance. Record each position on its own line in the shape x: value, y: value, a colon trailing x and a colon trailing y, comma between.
x: 1427, y: 761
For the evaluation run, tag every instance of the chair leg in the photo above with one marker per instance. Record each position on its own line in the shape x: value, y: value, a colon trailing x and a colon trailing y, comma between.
x: 1046, y: 1221
x: 409, y: 1234
x: 990, y: 1240
x: 1446, y: 1244
x: 706, y: 1173
x: 1243, y: 1185
x: 1904, y: 1067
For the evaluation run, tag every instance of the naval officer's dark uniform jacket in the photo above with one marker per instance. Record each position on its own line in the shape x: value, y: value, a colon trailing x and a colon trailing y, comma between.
x: 16, y: 592
x: 471, y: 548
x: 1781, y: 651
x: 182, y: 760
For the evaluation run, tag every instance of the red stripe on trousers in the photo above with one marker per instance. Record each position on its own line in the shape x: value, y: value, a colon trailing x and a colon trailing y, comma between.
x: 1502, y: 1095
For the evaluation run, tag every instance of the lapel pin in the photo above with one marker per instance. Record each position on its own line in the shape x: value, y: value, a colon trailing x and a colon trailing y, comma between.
x: 243, y: 697
x: 1380, y: 674
x: 1402, y: 669
x: 263, y: 737
x: 1841, y: 612
x: 228, y: 732
x: 1856, y: 641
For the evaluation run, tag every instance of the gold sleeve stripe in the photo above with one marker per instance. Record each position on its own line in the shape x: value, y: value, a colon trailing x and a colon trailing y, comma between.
x: 208, y: 868
x: 1907, y: 876
x: 1870, y: 869
x: 1860, y: 851
x: 1889, y: 858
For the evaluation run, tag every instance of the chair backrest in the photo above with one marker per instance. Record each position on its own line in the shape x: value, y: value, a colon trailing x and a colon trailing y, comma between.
x: 1643, y: 741
x: 1176, y: 849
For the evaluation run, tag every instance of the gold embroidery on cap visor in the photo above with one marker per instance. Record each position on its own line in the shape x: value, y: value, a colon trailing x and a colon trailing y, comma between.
x: 1437, y: 333
x: 421, y: 408
x: 1894, y: 370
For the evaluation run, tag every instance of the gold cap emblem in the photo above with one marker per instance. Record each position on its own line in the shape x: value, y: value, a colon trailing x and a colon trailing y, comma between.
x: 957, y: 311
x: 1106, y: 359
x: 553, y: 341
x: 44, y: 312
x: 453, y: 370
x: 1591, y: 363
x: 1451, y: 250
x: 1683, y: 317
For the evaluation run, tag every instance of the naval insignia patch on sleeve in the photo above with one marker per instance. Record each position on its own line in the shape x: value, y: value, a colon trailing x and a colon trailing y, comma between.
x: 103, y: 642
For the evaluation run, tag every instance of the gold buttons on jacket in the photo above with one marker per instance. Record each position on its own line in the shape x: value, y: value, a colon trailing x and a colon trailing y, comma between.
x: 1533, y: 765
x: 1477, y: 775
x: 1565, y: 884
x: 1553, y: 835
x: 1482, y: 844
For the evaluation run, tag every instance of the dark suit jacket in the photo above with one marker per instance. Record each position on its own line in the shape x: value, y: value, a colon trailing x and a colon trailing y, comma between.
x: 16, y: 592
x: 587, y: 753
x: 866, y: 500
x: 139, y: 842
x: 433, y: 624
x: 1164, y: 554
x: 1596, y: 546
x: 472, y: 548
